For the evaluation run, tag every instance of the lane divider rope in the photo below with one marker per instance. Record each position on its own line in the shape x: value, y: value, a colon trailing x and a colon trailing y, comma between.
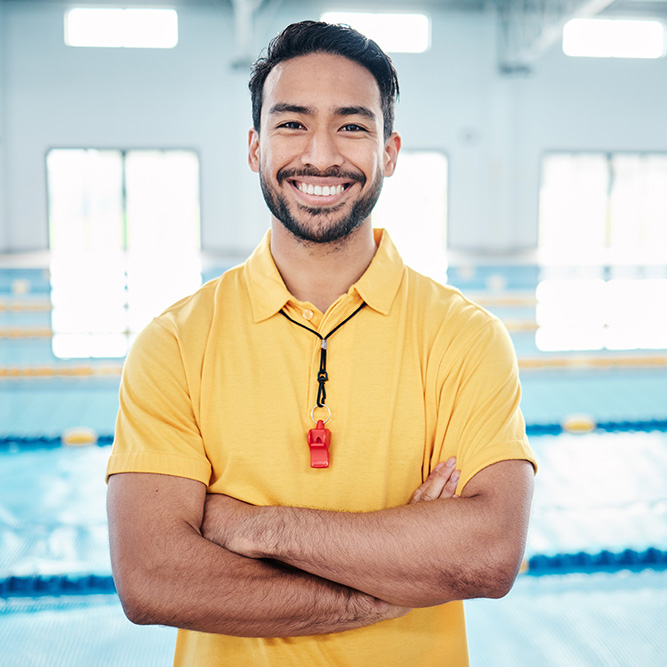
x: 16, y: 333
x: 10, y: 441
x: 538, y: 565
x: 603, y: 561
x: 43, y: 441
x: 79, y: 370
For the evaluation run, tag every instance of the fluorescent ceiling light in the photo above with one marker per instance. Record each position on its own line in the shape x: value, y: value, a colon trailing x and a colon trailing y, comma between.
x: 130, y: 28
x: 614, y: 38
x: 395, y: 33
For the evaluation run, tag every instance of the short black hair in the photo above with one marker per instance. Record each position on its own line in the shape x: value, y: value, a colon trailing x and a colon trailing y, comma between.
x: 300, y: 39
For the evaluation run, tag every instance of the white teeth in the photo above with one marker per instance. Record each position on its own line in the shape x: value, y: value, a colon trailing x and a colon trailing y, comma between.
x: 320, y: 190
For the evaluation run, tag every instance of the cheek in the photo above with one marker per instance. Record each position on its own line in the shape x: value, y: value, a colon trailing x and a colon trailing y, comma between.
x: 267, y: 165
x: 274, y: 157
x: 379, y: 167
x: 371, y: 161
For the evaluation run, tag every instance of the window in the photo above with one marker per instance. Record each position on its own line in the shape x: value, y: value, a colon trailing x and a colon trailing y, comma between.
x: 614, y: 38
x: 124, y: 237
x: 395, y: 33
x: 85, y: 200
x: 603, y: 207
x: 117, y: 28
x: 413, y: 208
x: 604, y: 215
x: 595, y: 314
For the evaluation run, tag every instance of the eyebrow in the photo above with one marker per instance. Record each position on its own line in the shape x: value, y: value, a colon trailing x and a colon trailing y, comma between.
x: 356, y: 111
x: 284, y: 107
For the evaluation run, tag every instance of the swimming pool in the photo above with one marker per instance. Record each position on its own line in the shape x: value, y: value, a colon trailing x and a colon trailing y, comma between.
x: 598, y: 531
x: 53, y: 545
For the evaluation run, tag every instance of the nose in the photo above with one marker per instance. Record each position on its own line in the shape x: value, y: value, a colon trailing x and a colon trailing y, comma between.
x: 321, y: 150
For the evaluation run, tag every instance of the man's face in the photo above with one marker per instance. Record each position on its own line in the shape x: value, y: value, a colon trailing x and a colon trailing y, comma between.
x: 320, y: 152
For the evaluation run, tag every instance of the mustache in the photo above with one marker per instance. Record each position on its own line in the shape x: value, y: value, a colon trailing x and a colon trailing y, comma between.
x: 332, y: 172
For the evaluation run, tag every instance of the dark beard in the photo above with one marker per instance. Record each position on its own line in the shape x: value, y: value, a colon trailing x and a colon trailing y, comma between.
x: 322, y: 233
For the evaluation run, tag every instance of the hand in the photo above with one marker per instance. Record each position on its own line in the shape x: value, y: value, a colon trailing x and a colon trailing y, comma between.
x: 441, y: 483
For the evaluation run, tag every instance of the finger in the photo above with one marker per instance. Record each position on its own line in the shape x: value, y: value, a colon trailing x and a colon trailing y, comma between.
x: 434, y: 484
x: 452, y: 483
x: 441, y: 483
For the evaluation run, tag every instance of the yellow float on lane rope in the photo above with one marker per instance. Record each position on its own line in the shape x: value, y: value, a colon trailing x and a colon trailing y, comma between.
x: 78, y: 436
x: 579, y: 423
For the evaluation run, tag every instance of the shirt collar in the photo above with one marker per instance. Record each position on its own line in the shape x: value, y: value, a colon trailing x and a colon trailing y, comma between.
x: 378, y: 285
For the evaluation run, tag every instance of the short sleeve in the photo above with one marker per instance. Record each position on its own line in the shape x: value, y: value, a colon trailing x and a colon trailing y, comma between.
x: 479, y: 403
x: 156, y: 427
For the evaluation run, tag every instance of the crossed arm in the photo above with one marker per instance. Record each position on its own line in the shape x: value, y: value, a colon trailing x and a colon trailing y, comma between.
x: 184, y: 559
x: 417, y: 555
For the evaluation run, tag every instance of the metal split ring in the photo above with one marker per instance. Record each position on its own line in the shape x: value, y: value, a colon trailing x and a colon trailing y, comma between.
x: 320, y: 406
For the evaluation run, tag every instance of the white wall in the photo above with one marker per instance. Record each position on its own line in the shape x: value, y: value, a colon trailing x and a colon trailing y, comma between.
x: 585, y: 104
x: 186, y: 97
x: 493, y: 129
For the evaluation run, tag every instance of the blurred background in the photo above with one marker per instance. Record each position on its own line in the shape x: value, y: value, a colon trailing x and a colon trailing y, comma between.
x: 533, y: 177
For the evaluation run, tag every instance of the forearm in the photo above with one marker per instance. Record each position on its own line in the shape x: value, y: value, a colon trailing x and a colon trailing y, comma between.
x: 167, y: 573
x: 397, y: 555
x: 206, y: 588
x: 416, y: 555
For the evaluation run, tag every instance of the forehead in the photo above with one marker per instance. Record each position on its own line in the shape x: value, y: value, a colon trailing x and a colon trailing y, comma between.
x: 321, y: 80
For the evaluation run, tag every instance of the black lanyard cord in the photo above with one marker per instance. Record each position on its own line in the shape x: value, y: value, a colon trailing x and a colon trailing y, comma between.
x: 322, y: 375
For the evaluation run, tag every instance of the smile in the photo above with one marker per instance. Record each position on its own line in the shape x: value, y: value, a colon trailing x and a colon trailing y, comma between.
x: 320, y: 190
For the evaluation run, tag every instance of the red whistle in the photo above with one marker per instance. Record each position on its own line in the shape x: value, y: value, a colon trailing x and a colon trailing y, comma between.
x: 319, y: 439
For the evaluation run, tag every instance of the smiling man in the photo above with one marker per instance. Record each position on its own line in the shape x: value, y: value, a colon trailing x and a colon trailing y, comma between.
x: 333, y: 181
x: 320, y: 453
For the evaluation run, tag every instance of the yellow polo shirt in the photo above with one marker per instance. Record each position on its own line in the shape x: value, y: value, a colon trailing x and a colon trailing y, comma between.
x: 220, y: 388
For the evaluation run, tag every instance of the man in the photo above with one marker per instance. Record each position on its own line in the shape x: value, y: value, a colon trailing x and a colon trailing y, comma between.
x: 280, y: 431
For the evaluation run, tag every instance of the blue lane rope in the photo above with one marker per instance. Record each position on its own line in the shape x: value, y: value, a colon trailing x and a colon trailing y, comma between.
x: 608, y: 426
x: 604, y: 561
x: 538, y: 565
x: 44, y: 441
x: 40, y: 586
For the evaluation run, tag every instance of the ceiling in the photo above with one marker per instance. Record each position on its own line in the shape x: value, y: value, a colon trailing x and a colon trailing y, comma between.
x: 526, y: 28
x: 656, y: 8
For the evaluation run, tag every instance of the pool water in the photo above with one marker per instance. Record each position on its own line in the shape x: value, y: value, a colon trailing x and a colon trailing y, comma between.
x: 603, y: 492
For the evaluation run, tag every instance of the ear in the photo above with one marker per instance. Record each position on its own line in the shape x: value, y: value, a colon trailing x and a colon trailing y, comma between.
x: 391, y: 150
x: 253, y: 149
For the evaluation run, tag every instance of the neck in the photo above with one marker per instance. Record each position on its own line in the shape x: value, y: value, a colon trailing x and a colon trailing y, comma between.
x: 321, y: 272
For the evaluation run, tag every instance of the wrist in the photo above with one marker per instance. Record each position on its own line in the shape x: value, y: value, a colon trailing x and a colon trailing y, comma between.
x: 263, y: 535
x: 369, y: 610
x: 233, y: 525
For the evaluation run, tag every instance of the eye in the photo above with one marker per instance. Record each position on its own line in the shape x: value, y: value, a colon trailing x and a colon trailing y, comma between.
x: 291, y: 125
x: 353, y: 127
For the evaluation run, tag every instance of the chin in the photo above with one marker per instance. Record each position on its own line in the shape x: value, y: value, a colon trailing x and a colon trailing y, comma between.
x: 321, y: 233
